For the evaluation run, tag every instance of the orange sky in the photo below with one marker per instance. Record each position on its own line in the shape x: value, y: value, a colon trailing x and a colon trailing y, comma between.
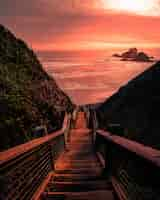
x: 83, y: 24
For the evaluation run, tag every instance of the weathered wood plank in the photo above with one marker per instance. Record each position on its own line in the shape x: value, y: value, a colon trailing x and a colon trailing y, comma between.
x: 141, y: 150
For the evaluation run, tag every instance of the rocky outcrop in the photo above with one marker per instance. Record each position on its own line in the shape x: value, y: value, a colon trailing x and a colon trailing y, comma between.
x: 142, y: 57
x: 133, y: 55
x: 29, y: 97
x: 134, y: 110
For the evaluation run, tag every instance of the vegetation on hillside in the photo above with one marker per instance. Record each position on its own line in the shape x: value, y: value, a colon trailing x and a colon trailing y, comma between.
x: 134, y: 110
x: 29, y: 97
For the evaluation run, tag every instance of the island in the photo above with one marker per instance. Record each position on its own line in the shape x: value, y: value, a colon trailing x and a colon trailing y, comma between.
x: 134, y: 55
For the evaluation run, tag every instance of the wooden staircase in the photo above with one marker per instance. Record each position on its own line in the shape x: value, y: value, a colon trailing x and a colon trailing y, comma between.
x: 78, y: 172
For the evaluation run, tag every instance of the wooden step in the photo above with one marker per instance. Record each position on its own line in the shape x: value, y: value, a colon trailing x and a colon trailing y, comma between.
x: 76, y: 177
x: 73, y: 159
x: 92, y: 195
x: 86, y: 171
x: 80, y: 145
x: 78, y: 172
x: 76, y: 156
x: 78, y: 186
x: 80, y: 164
x: 77, y: 165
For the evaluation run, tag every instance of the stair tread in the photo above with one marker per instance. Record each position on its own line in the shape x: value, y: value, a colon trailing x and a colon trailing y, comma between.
x: 78, y: 186
x: 81, y: 182
x: 91, y: 195
x: 78, y: 173
x: 75, y: 177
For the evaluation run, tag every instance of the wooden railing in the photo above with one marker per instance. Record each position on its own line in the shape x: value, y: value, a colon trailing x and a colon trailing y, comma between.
x: 134, y: 169
x: 24, y: 168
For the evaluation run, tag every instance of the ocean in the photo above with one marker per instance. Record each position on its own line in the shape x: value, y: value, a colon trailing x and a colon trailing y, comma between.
x: 91, y: 76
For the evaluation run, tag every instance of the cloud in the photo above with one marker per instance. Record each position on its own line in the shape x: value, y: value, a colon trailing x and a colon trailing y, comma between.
x: 45, y: 7
x: 62, y: 7
x: 57, y: 23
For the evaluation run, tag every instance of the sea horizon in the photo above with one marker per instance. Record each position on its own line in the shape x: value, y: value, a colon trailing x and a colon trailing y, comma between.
x: 91, y: 76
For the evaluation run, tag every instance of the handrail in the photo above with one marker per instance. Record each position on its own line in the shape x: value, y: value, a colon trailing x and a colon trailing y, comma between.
x: 23, y: 148
x: 148, y: 153
x: 132, y: 167
x: 11, y: 153
x: 24, y: 168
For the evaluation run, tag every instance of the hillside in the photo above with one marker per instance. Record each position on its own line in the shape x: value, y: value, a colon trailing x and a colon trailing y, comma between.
x: 135, y: 108
x: 29, y: 97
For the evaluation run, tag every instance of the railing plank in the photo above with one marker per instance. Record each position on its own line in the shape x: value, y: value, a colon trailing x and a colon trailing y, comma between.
x: 21, y: 149
x: 141, y: 150
x: 23, y: 168
x: 134, y: 167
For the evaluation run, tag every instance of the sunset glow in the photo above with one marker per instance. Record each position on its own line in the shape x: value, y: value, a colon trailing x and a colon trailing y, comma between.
x: 84, y: 24
x: 144, y: 7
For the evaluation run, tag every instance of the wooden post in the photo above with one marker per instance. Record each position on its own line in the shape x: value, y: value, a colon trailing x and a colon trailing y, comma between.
x: 108, y: 160
x: 51, y: 156
x: 95, y: 126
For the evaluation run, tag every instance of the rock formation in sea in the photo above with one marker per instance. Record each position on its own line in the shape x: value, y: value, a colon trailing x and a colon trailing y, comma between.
x: 133, y: 55
x: 29, y: 97
x: 134, y: 110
